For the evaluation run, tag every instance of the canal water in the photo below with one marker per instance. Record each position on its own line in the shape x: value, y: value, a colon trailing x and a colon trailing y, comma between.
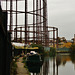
x: 62, y: 64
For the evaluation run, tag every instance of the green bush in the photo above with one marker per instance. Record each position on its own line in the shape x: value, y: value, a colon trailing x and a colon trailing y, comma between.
x: 41, y: 48
x: 72, y: 56
x: 52, y: 52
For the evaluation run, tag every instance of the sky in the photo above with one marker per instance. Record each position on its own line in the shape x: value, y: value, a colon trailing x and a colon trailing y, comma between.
x: 61, y: 14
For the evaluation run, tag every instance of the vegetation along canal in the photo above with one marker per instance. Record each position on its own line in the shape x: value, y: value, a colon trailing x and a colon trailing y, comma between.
x: 61, y: 64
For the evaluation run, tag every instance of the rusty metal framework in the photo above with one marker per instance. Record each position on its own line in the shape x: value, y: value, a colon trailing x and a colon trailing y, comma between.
x: 27, y: 20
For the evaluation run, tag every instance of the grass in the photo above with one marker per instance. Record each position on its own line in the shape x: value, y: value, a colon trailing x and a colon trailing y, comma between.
x: 13, y: 68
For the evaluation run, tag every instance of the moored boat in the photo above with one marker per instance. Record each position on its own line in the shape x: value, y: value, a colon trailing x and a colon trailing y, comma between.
x: 33, y: 58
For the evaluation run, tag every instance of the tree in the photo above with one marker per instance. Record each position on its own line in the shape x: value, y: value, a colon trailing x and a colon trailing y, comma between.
x: 68, y: 44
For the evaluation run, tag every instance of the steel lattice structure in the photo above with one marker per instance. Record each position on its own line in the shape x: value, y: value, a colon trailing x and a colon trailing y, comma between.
x: 27, y: 20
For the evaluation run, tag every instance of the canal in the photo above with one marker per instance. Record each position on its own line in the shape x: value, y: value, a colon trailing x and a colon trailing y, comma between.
x: 62, y: 64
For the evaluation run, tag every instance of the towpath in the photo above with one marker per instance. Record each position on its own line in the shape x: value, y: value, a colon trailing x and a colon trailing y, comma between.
x: 20, y: 69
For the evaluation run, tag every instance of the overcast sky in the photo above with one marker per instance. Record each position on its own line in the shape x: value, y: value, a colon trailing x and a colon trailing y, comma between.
x: 61, y: 14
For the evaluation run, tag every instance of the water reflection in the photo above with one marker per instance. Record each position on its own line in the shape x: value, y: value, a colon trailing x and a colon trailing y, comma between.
x: 34, y: 69
x: 65, y: 64
x: 73, y: 58
x: 62, y: 64
x: 58, y: 62
x: 46, y: 66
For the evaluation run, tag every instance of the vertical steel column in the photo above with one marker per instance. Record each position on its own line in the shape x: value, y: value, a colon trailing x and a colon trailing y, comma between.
x: 47, y: 33
x: 57, y: 36
x: 33, y: 21
x: 37, y: 30
x: 47, y: 38
x: 40, y: 25
x: 16, y: 20
x: 39, y: 21
x: 45, y: 22
x: 10, y: 15
x: 53, y: 36
x: 14, y: 34
x: 20, y: 34
x: 28, y: 33
x: 25, y: 21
